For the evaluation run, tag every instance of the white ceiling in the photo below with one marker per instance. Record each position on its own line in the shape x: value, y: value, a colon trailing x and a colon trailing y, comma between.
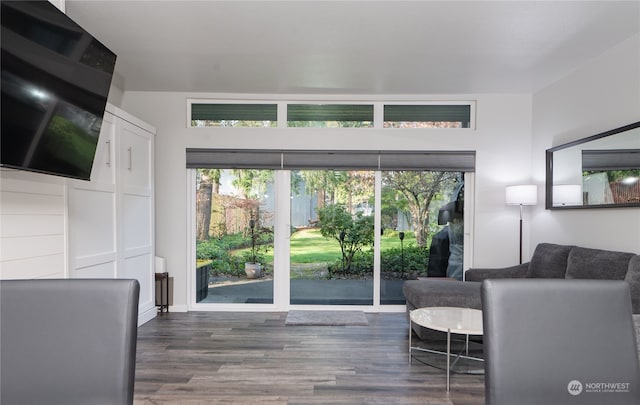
x: 353, y: 47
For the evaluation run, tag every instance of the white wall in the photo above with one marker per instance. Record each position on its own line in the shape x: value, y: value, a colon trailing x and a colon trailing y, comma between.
x: 32, y: 222
x: 601, y: 95
x: 32, y: 225
x: 115, y: 90
x: 502, y: 142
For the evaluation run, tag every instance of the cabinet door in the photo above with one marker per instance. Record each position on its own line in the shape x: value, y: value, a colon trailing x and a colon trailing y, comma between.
x: 136, y: 163
x: 104, y: 164
x: 137, y: 221
x: 92, y: 212
x: 136, y: 210
x: 92, y: 231
x: 139, y: 265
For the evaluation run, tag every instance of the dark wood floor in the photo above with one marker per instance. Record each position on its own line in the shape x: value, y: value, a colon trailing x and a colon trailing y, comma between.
x: 252, y: 358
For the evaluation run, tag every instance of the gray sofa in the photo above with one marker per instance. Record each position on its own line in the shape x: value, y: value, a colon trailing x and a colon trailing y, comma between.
x: 548, y: 261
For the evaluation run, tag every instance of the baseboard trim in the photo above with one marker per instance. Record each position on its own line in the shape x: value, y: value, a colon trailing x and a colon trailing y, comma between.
x: 146, y: 316
x: 178, y: 308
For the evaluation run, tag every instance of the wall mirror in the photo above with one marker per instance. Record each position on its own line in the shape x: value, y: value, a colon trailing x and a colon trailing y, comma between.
x: 600, y: 171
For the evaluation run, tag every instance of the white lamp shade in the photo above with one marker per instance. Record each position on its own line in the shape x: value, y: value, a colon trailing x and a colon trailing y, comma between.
x: 567, y: 194
x: 526, y: 194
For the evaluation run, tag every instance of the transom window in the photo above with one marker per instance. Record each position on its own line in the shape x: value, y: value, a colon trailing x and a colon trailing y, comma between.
x: 234, y: 115
x: 417, y: 115
x: 330, y: 115
x: 427, y: 116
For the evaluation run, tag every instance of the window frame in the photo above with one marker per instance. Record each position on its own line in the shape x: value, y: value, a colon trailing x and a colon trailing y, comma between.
x: 192, y: 101
x: 471, y: 104
x: 281, y: 258
x: 329, y: 103
x: 378, y: 112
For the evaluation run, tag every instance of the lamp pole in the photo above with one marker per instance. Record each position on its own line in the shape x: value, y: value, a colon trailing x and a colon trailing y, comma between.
x: 520, y: 233
x: 343, y: 234
x: 401, y: 236
x: 526, y: 194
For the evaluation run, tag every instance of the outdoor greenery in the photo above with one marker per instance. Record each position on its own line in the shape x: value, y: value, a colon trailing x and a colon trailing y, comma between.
x: 231, y: 224
x: 227, y: 255
x: 396, y: 262
x: 309, y: 246
x: 413, y: 192
x: 352, y: 232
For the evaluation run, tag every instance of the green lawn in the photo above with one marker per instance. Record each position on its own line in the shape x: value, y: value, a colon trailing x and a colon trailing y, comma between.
x: 309, y: 246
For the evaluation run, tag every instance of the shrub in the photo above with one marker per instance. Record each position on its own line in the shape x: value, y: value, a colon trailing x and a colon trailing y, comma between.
x: 415, y: 262
x: 222, y: 262
x: 209, y: 250
x: 361, y: 264
x: 352, y: 232
x: 415, y: 259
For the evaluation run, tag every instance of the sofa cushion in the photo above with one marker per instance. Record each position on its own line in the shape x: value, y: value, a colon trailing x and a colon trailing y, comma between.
x: 517, y: 271
x: 549, y: 261
x: 442, y: 293
x: 597, y: 264
x: 633, y: 278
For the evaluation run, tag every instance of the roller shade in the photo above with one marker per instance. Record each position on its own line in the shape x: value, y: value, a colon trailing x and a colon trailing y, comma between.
x: 612, y: 159
x: 427, y: 113
x: 329, y: 112
x: 233, y: 159
x: 240, y: 112
x: 330, y: 160
x: 463, y: 161
x: 453, y: 161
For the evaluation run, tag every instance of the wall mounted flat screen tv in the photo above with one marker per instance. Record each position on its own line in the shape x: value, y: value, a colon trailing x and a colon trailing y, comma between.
x: 55, y: 83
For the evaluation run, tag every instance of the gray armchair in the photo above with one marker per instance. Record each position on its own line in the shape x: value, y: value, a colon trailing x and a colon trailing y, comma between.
x: 68, y: 341
x: 559, y: 342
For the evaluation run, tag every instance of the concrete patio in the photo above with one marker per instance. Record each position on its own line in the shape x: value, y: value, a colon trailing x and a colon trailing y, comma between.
x: 308, y: 292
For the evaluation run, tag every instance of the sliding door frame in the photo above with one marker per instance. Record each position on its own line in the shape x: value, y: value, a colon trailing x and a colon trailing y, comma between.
x: 282, y: 235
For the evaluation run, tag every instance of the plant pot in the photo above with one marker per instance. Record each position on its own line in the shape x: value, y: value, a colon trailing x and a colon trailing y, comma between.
x: 253, y: 270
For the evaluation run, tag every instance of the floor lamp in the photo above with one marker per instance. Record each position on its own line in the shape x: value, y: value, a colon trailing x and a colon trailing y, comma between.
x: 522, y: 195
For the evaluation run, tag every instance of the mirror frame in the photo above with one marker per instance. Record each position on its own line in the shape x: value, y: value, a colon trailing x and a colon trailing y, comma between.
x: 549, y: 169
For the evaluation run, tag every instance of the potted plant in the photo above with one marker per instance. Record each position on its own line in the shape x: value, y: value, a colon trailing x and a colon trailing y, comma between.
x: 252, y: 268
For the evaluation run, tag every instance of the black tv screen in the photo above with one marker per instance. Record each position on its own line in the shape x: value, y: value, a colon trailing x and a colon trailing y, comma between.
x: 55, y: 83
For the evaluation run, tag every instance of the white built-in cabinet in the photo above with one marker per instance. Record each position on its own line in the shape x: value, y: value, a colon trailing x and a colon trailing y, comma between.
x: 111, y: 217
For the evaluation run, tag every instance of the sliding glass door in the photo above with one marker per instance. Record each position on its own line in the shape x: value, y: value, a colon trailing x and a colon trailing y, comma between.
x: 234, y: 236
x: 331, y: 245
x: 274, y: 239
x: 422, y: 222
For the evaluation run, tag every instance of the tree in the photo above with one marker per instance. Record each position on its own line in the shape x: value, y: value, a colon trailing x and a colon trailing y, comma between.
x: 252, y: 182
x: 357, y: 188
x: 323, y: 182
x: 338, y: 187
x: 418, y: 189
x: 352, y: 232
x: 209, y: 184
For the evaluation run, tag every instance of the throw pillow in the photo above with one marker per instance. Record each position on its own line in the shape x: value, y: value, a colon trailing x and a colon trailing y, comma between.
x: 549, y: 261
x: 597, y: 264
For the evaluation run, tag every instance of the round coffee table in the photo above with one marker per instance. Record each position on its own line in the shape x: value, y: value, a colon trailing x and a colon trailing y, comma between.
x: 464, y: 321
